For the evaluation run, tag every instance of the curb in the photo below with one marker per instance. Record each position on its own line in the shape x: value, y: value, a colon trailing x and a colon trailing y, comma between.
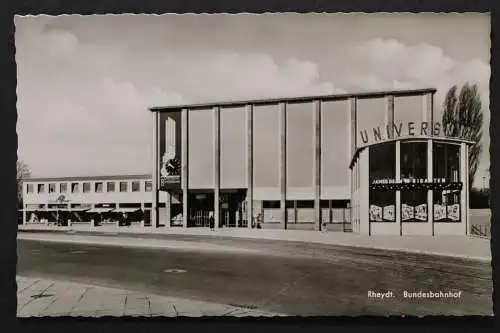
x: 139, y: 234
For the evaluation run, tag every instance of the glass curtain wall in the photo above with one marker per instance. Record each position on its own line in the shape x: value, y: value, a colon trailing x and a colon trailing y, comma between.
x: 382, y: 166
x: 446, y: 169
x: 413, y: 170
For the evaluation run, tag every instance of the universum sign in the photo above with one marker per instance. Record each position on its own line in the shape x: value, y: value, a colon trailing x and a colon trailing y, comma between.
x: 397, y: 130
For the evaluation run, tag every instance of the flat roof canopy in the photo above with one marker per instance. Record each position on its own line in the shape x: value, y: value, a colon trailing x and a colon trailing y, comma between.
x: 293, y: 99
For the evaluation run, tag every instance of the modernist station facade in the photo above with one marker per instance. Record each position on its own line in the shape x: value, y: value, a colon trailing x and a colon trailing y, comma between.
x: 370, y: 163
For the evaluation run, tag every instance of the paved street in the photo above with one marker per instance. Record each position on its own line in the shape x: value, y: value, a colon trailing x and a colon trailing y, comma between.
x: 279, y: 277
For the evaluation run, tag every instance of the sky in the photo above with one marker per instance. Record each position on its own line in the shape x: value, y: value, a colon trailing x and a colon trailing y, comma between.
x: 85, y: 82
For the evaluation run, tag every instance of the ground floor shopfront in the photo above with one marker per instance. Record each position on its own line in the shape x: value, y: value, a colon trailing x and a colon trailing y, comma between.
x: 230, y: 209
x: 412, y: 187
x: 95, y: 214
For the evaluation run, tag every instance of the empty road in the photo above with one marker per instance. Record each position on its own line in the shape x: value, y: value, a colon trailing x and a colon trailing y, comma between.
x: 282, y: 277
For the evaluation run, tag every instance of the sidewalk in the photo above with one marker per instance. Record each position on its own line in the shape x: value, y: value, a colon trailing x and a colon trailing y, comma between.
x: 41, y: 297
x: 452, y: 246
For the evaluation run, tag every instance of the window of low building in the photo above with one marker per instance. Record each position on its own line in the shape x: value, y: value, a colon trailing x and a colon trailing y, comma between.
x: 63, y: 187
x: 86, y: 187
x: 148, y: 186
x: 75, y: 187
x: 305, y: 204
x: 29, y: 188
x: 110, y: 186
x: 123, y: 187
x: 52, y: 188
x: 98, y: 187
x: 41, y: 188
x: 136, y: 186
x: 267, y: 204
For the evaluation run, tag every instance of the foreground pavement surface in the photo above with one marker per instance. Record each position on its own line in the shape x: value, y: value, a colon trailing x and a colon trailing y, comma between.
x: 451, y: 246
x: 43, y: 297
x: 294, y: 278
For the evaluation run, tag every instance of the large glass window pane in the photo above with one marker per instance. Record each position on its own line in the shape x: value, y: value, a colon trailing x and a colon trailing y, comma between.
x: 414, y: 206
x: 383, y: 206
x: 413, y: 160
x: 446, y: 205
x: 446, y: 162
x: 382, y: 164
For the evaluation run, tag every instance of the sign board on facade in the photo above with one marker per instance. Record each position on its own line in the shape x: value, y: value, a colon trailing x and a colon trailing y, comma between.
x: 170, y: 150
x: 378, y: 134
x: 60, y: 200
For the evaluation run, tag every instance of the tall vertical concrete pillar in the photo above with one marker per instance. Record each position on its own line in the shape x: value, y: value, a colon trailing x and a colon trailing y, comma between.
x: 283, y: 176
x: 398, y: 193
x: 143, y: 221
x: 168, y: 209
x: 154, y: 179
x: 184, y: 166
x: 249, y: 119
x: 216, y: 132
x: 317, y: 164
x: 364, y: 188
x: 24, y: 213
x: 92, y: 220
x: 430, y: 194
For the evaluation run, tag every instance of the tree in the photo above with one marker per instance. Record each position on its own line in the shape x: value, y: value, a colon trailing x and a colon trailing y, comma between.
x: 23, y: 172
x: 463, y: 117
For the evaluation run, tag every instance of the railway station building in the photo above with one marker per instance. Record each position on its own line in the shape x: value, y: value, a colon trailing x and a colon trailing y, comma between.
x: 370, y: 163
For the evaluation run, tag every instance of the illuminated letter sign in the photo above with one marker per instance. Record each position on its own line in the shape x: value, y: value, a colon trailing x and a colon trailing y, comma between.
x: 400, y: 130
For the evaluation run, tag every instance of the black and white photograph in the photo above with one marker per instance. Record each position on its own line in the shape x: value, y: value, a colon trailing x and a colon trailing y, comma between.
x: 253, y: 165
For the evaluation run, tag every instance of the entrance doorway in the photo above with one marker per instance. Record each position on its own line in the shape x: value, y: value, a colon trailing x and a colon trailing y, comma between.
x: 233, y: 208
x: 201, y: 208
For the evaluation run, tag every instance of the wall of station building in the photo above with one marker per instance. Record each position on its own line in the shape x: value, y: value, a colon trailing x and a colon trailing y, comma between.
x: 268, y: 126
x: 315, y: 150
x: 270, y: 149
x: 446, y: 210
x: 415, y: 118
